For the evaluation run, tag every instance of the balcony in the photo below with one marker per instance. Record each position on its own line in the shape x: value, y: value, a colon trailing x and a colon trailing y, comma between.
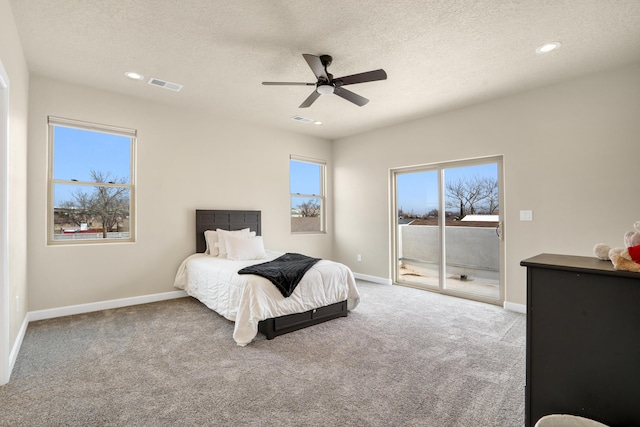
x: 473, y: 256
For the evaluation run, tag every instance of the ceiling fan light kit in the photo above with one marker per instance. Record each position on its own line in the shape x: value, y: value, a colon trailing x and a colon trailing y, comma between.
x: 326, y: 84
x: 325, y: 89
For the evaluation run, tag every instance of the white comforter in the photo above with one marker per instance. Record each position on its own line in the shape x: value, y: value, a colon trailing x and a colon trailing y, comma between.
x: 247, y: 299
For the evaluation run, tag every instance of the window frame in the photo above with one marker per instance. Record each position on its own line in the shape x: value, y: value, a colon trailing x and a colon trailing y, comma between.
x: 320, y: 197
x: 52, y: 122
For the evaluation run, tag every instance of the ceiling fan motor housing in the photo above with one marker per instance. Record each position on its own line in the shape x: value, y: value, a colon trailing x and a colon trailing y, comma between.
x: 326, y: 60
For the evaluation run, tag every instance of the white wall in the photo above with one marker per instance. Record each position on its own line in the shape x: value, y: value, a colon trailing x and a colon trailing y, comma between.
x: 571, y: 155
x: 14, y: 63
x: 186, y: 160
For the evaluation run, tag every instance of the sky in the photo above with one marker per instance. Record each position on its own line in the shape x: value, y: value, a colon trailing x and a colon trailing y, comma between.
x: 77, y: 151
x: 417, y: 192
x: 305, y: 177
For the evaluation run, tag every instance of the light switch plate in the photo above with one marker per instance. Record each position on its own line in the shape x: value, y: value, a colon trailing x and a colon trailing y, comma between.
x: 526, y: 215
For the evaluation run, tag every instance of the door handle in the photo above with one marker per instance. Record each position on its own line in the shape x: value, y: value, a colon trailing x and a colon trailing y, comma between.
x: 499, y: 231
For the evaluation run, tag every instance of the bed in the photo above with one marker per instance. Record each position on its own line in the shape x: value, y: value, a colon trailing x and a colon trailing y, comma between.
x: 325, y: 292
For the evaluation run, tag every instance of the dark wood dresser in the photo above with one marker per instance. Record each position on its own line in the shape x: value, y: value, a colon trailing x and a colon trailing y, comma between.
x: 583, y: 340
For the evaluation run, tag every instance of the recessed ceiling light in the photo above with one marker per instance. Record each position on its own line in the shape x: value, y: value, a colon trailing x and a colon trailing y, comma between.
x: 133, y: 75
x: 317, y: 123
x: 547, y: 47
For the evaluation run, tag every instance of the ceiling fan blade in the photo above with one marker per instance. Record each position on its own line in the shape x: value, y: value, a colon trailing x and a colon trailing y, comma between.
x: 316, y: 66
x: 287, y: 84
x: 369, y: 76
x: 350, y: 96
x: 307, y: 102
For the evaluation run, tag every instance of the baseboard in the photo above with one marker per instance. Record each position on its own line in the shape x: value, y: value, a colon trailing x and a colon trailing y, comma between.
x: 102, y: 305
x: 512, y: 306
x: 373, y: 279
x: 13, y: 356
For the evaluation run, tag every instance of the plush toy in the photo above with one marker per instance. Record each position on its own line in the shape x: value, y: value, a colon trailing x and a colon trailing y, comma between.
x: 628, y: 258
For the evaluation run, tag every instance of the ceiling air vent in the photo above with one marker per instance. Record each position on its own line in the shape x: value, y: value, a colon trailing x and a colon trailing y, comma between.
x: 165, y: 84
x: 301, y: 119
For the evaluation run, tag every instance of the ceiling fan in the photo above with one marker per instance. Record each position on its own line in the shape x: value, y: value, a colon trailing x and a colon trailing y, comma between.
x: 326, y: 84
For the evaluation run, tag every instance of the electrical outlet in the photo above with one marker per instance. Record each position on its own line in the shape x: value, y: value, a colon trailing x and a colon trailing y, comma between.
x: 17, y: 302
x: 359, y: 257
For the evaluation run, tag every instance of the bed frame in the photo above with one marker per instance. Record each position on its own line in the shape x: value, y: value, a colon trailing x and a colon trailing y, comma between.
x: 237, y: 220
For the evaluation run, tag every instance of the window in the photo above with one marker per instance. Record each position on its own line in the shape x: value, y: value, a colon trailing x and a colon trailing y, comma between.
x: 91, y: 183
x: 306, y: 186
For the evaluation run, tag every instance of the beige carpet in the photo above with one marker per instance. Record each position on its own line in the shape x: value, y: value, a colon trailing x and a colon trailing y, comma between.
x: 404, y: 357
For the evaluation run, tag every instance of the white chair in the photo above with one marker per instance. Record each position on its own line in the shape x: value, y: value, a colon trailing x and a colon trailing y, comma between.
x: 557, y: 420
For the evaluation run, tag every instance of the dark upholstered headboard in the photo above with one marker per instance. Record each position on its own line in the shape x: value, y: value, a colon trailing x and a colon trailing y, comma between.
x: 226, y: 220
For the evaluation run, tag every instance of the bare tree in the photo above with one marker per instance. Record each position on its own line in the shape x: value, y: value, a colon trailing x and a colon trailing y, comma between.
x: 492, y: 199
x: 309, y: 208
x: 107, y: 205
x: 474, y: 195
x: 76, y: 211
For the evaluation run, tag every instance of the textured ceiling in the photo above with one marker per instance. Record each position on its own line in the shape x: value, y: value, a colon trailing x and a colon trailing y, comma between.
x: 438, y: 54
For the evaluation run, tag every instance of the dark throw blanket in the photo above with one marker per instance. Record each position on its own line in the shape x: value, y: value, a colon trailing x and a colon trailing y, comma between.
x: 285, y: 272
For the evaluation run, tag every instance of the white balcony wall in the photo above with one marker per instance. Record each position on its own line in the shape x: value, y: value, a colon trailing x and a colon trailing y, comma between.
x: 472, y: 251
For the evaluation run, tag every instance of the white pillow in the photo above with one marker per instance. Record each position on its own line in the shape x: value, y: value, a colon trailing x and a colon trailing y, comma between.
x: 242, y: 248
x: 211, y: 239
x: 222, y: 234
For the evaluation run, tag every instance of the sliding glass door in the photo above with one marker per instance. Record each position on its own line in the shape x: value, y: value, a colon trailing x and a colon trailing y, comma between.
x: 447, y: 228
x: 418, y: 248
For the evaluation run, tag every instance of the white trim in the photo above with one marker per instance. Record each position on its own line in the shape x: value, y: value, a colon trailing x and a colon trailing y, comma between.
x: 79, y: 124
x: 69, y: 181
x: 439, y: 168
x: 307, y: 159
x: 17, y: 344
x: 322, y: 197
x: 512, y: 306
x: 373, y: 279
x: 102, y: 305
x: 5, y: 369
